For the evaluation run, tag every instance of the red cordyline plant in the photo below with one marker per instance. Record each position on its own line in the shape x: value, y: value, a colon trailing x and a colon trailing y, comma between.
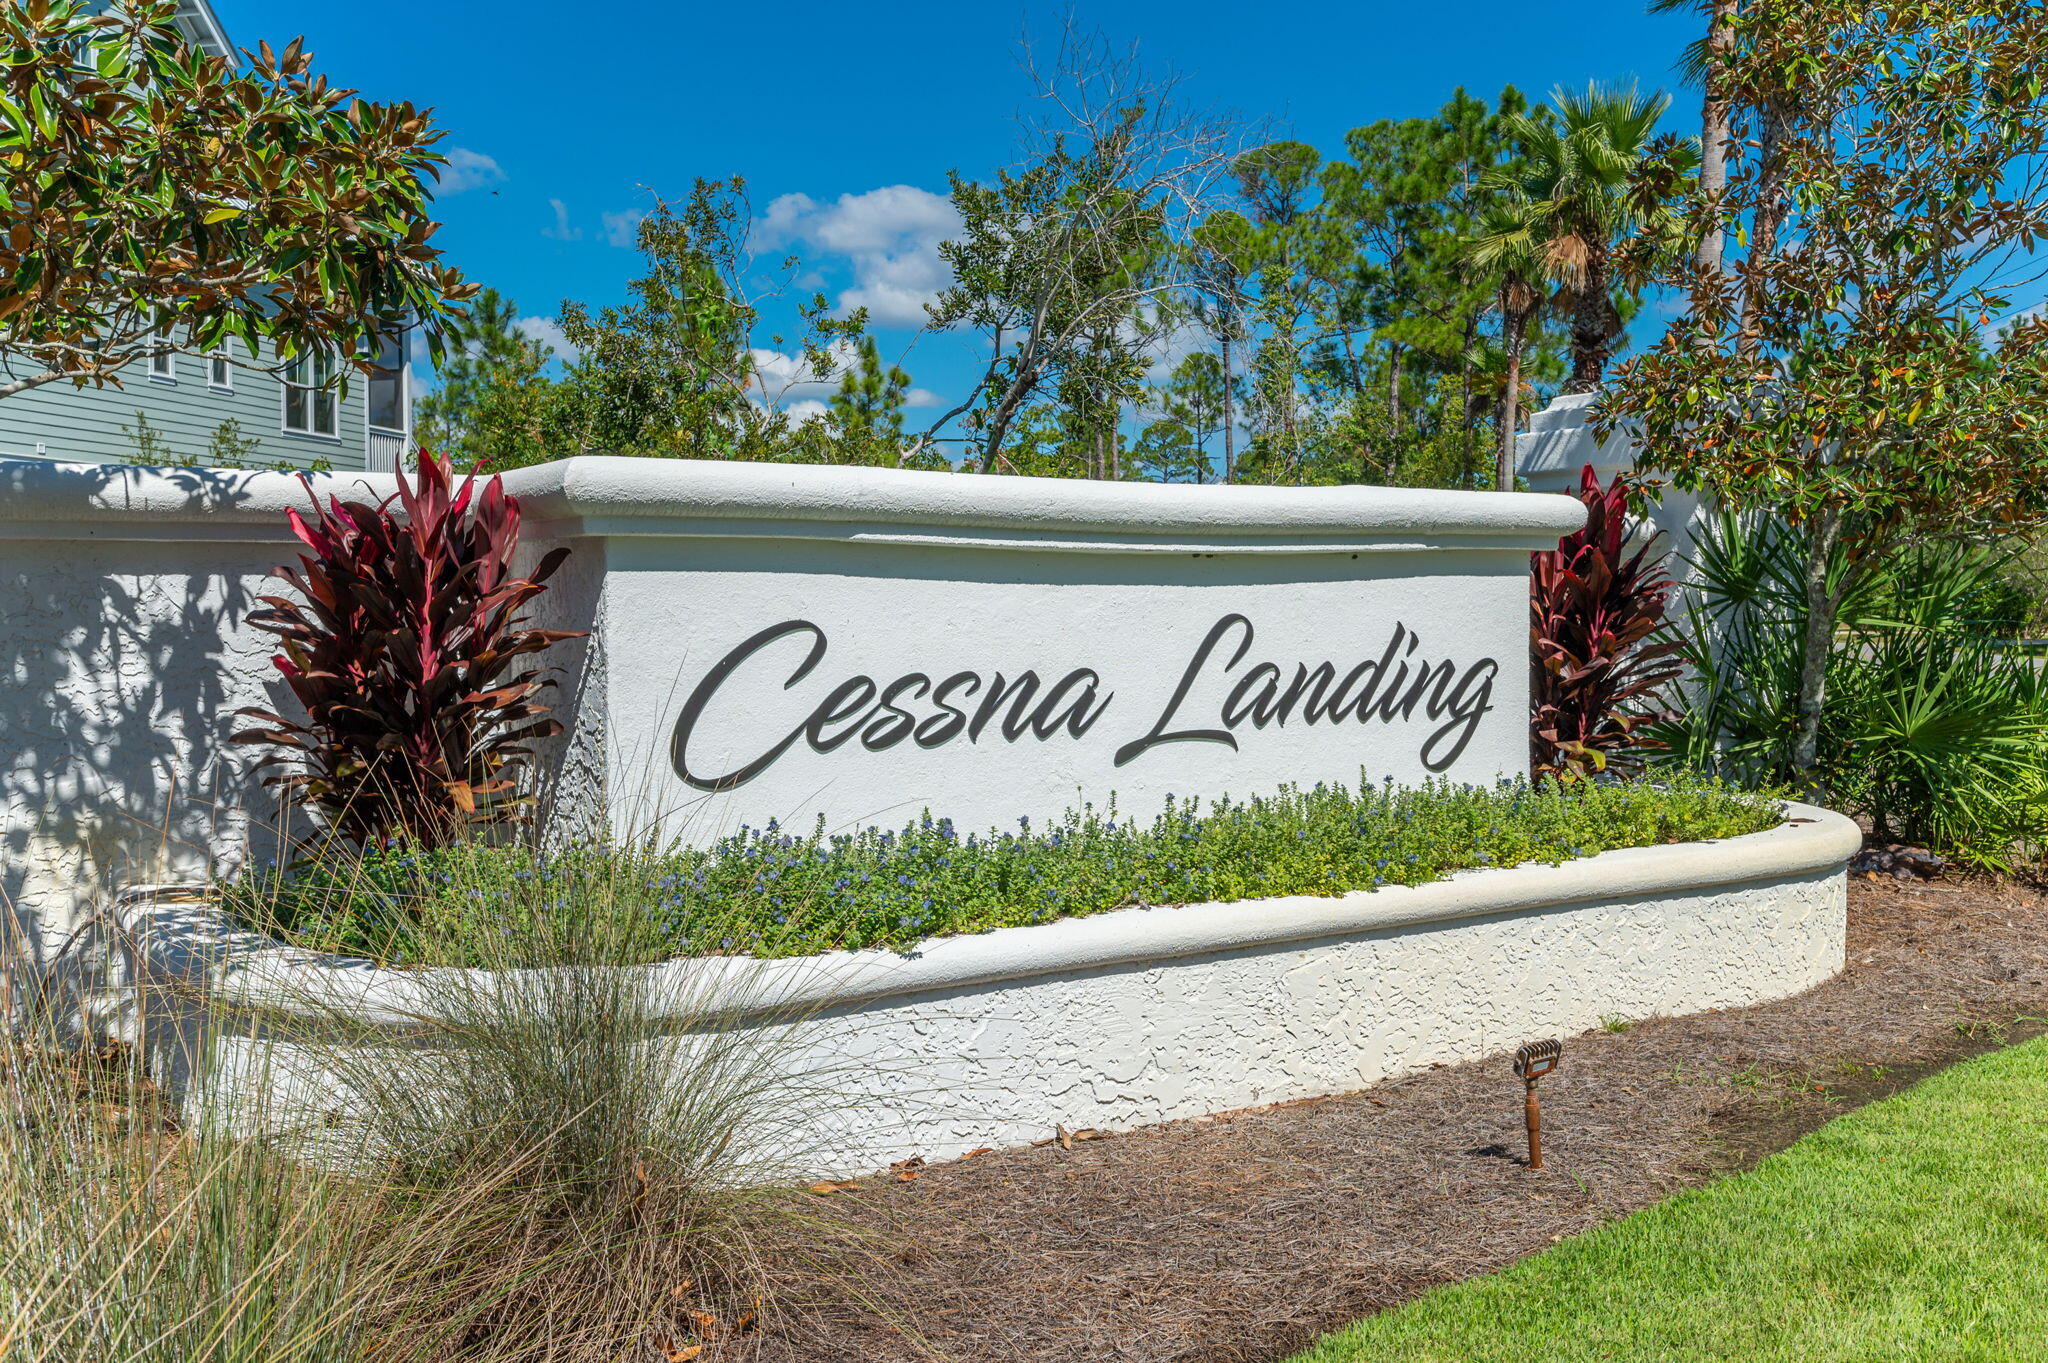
x: 1595, y: 673
x: 404, y: 654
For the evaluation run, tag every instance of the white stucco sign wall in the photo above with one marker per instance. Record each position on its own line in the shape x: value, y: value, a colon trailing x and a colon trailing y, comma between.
x: 769, y: 641
x: 860, y: 645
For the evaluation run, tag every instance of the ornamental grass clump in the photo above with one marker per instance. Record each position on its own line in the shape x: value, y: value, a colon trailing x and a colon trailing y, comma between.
x: 628, y: 1122
x: 548, y: 1159
x: 407, y: 652
x: 770, y: 891
x: 132, y: 1232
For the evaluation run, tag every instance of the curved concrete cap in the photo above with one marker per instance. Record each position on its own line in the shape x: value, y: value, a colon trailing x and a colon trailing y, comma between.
x: 188, y: 940
x: 605, y: 495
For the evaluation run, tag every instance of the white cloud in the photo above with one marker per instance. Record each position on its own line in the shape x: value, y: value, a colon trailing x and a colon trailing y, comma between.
x: 623, y: 228
x: 788, y: 380
x: 548, y: 332
x: 810, y: 409
x: 467, y: 170
x: 561, y: 231
x: 890, y: 237
x: 1163, y: 348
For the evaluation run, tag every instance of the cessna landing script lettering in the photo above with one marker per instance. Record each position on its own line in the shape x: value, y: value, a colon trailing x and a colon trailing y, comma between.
x: 915, y: 708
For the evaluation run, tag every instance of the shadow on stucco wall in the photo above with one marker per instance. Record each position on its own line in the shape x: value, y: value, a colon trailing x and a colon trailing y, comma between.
x: 124, y: 654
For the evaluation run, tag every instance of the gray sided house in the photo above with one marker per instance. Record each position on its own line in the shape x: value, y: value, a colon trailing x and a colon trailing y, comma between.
x: 185, y: 400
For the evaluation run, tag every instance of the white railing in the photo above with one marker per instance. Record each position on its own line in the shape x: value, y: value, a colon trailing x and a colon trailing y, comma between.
x: 386, y: 449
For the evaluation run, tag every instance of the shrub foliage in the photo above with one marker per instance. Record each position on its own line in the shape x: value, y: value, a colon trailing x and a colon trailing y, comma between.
x: 406, y: 654
x: 1934, y: 727
x: 1595, y: 670
x: 160, y: 200
x: 771, y: 892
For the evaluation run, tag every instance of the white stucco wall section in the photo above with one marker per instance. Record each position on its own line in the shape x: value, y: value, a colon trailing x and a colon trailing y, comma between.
x: 123, y: 652
x: 1138, y: 1016
x: 1560, y: 442
x: 919, y: 577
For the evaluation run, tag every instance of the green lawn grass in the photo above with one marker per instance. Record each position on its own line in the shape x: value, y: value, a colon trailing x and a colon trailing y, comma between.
x: 1916, y: 1228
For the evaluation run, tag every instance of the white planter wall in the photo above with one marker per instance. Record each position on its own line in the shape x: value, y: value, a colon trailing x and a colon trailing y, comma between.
x: 123, y: 657
x: 1126, y: 1018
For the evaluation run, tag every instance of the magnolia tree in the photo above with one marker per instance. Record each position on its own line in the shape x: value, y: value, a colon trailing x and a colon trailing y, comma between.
x: 1888, y: 176
x: 162, y: 200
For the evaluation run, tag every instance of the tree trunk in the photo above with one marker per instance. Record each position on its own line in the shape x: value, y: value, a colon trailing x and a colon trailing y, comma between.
x: 1590, y: 325
x: 1515, y: 325
x: 1229, y: 417
x: 1822, y: 602
x: 1465, y: 344
x: 1714, y: 130
x: 1771, y: 210
x: 1022, y: 382
x: 1005, y: 411
x: 1393, y: 408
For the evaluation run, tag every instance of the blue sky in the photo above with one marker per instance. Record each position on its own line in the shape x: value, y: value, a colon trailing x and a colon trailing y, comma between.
x: 562, y: 119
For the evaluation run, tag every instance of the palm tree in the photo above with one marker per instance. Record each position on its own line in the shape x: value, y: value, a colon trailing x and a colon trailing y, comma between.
x: 1569, y: 185
x: 1507, y: 252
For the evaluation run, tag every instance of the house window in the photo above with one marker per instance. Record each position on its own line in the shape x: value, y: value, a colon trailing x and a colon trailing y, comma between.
x: 387, y: 385
x: 219, y: 373
x: 163, y: 365
x: 309, y: 400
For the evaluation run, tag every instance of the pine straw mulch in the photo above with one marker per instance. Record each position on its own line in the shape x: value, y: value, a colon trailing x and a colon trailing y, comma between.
x: 1244, y: 1236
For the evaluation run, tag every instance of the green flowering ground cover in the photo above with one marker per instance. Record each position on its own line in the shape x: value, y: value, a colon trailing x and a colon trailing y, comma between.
x: 774, y: 892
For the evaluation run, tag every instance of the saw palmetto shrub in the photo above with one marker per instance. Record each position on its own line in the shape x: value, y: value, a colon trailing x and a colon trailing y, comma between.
x: 1935, y: 720
x: 1597, y: 664
x: 407, y: 648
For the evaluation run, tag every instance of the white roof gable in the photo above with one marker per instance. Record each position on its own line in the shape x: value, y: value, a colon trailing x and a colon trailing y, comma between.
x: 202, y: 28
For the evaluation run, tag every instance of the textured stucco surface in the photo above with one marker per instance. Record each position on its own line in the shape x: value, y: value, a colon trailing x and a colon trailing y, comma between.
x: 121, y: 667
x: 996, y: 1039
x: 1138, y: 622
x: 940, y: 1074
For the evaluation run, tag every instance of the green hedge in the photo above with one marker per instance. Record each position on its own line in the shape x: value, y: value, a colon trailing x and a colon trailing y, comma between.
x: 770, y: 892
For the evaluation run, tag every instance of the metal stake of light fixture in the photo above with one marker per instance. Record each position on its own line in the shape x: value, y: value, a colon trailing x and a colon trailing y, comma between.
x: 1532, y: 1062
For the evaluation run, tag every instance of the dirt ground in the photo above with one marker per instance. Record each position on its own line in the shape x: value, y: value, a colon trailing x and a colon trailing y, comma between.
x: 1243, y: 1237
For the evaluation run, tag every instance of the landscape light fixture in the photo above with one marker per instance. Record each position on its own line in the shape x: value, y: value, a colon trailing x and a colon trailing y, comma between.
x: 1532, y: 1062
